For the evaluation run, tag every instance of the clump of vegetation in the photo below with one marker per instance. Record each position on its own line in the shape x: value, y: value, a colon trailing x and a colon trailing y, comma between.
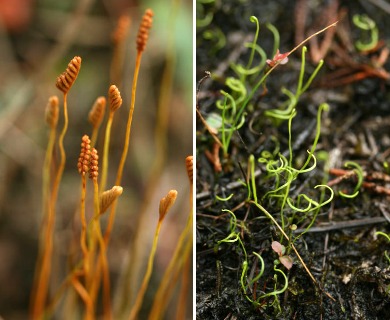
x: 282, y: 171
x: 87, y: 290
x: 257, y: 215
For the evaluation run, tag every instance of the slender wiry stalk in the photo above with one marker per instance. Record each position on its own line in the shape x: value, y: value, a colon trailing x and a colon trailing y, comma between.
x: 167, y: 286
x: 143, y: 35
x: 125, y: 148
x: 126, y: 291
x: 115, y: 103
x: 141, y: 43
x: 183, y: 295
x: 161, y: 298
x: 101, y: 204
x: 85, y: 297
x: 97, y: 236
x: 44, y: 271
x: 83, y: 235
x: 185, y: 260
x: 103, y: 180
x: 182, y: 251
x: 83, y: 167
x: 63, y: 83
x: 96, y: 116
x: 52, y: 112
x: 44, y: 276
x: 165, y: 204
x: 52, y: 120
x: 142, y: 290
x: 184, y: 290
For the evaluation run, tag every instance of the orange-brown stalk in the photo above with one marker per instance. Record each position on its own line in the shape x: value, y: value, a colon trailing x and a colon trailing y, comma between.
x: 60, y: 291
x: 95, y: 117
x: 106, y: 199
x: 165, y: 204
x: 167, y: 286
x: 115, y: 101
x: 184, y: 290
x: 83, y: 167
x: 141, y: 43
x: 97, y: 236
x: 142, y: 38
x: 126, y: 291
x: 51, y: 117
x: 183, y: 295
x: 183, y: 267
x: 80, y: 289
x: 182, y: 254
x: 63, y: 83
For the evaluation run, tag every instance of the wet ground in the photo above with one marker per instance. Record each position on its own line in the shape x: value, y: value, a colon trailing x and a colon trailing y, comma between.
x: 342, y: 249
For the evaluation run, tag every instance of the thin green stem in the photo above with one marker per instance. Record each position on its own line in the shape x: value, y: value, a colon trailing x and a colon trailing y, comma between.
x: 276, y: 292
x: 276, y: 35
x: 256, y: 21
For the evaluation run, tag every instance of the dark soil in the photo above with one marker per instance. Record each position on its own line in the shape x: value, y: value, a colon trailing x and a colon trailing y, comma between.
x: 342, y: 249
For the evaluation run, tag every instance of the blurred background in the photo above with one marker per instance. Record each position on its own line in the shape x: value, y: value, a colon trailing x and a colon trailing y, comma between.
x: 37, y: 41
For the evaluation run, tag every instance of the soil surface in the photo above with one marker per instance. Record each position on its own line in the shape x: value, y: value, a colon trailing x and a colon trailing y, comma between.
x: 342, y: 250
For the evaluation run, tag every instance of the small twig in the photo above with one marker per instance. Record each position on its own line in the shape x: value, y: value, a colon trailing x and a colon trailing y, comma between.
x: 210, y: 130
x: 213, y: 157
x: 343, y: 225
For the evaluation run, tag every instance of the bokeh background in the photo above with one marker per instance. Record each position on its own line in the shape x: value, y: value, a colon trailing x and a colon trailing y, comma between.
x: 37, y: 40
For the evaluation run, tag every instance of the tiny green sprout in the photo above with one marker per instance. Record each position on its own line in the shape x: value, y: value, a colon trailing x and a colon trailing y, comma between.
x: 244, y: 71
x: 238, y: 91
x: 217, y: 37
x: 365, y: 23
x: 386, y: 167
x: 300, y: 87
x: 243, y: 275
x: 387, y: 236
x: 243, y: 279
x: 253, y: 19
x: 261, y: 269
x: 205, y: 17
x: 224, y: 199
x: 233, y: 236
x: 276, y: 292
x: 285, y: 113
